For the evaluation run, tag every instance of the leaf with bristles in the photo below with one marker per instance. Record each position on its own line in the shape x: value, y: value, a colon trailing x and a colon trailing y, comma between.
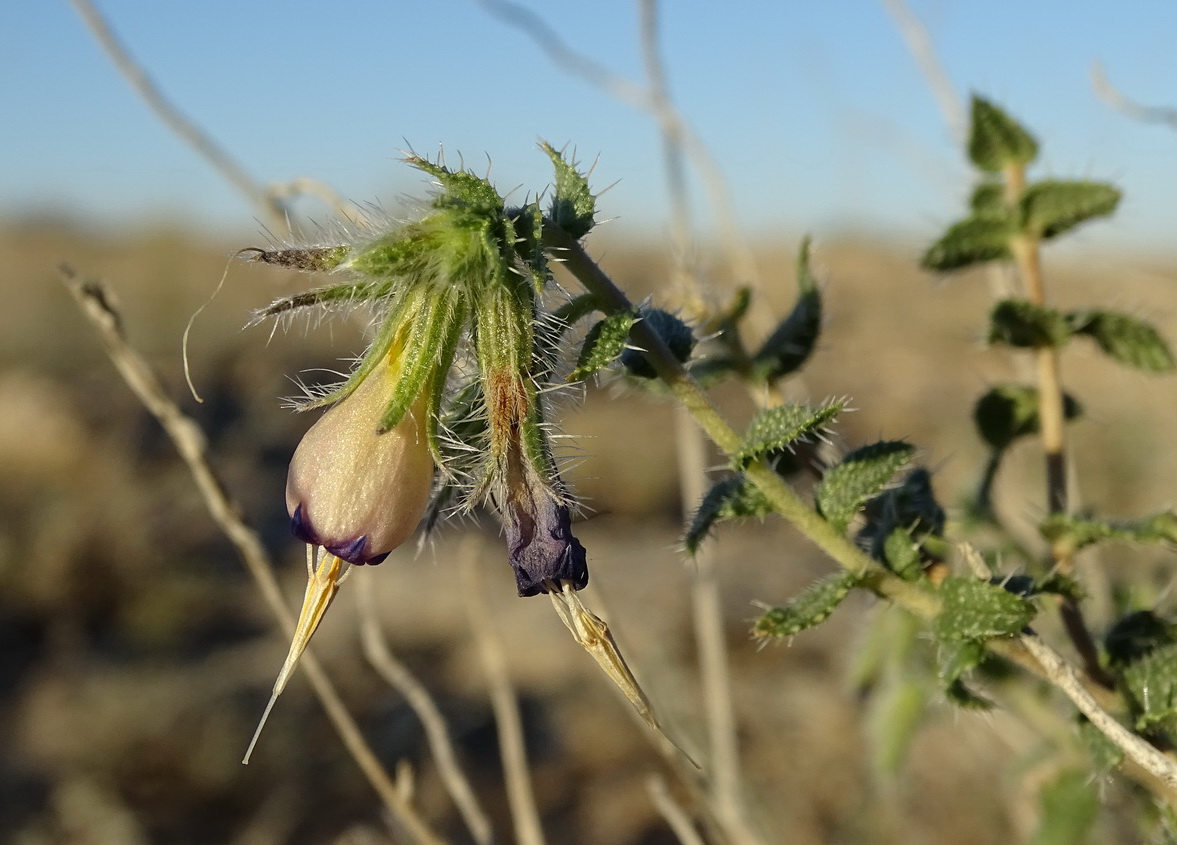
x: 974, y: 240
x: 676, y: 334
x: 857, y: 478
x: 1073, y: 533
x: 1052, y: 207
x: 603, y: 344
x: 778, y: 428
x: 573, y: 205
x: 996, y: 140
x: 1151, y: 685
x: 732, y: 497
x: 972, y: 609
x: 793, y: 341
x: 1010, y: 411
x: 810, y: 607
x: 1024, y: 324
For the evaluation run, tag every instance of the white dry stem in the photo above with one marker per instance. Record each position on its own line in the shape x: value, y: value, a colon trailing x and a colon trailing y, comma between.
x: 672, y: 812
x: 97, y: 306
x: 508, y: 721
x: 398, y: 676
x: 1118, y: 101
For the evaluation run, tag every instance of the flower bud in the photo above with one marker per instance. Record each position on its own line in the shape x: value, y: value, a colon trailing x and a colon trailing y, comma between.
x: 354, y: 489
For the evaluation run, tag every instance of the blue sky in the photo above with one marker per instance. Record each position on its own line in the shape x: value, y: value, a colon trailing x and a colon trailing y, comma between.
x: 817, y: 113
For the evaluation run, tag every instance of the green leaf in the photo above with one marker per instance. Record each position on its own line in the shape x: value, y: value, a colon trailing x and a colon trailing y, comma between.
x: 1069, y: 807
x: 1125, y: 339
x: 576, y: 309
x: 676, y: 334
x: 459, y: 187
x: 857, y: 478
x: 974, y: 240
x: 900, y: 523
x: 1151, y: 682
x: 1052, y: 207
x: 988, y: 199
x: 901, y: 554
x: 793, y: 341
x: 997, y: 140
x: 896, y: 714
x: 1010, y: 411
x: 603, y: 344
x: 810, y: 607
x: 732, y: 497
x: 1136, y: 635
x: 957, y: 659
x: 976, y: 610
x: 1020, y: 323
x: 1105, y: 754
x: 776, y: 429
x: 1073, y: 533
x: 573, y: 205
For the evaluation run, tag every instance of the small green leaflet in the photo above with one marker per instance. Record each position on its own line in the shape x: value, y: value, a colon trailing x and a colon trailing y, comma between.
x: 810, y: 607
x: 859, y: 477
x: 603, y: 344
x: 735, y: 496
x: 996, y: 140
x: 776, y: 429
x: 977, y: 610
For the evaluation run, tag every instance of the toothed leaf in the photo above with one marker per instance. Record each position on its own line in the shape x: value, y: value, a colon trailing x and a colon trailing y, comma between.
x: 973, y: 240
x: 997, y: 140
x: 1052, y: 207
x: 976, y: 610
x: 573, y: 204
x: 810, y: 607
x: 1010, y: 411
x: 1151, y: 684
x: 857, y: 478
x: 793, y: 341
x: 1068, y: 808
x: 603, y: 344
x: 676, y: 334
x: 1125, y: 339
x: 776, y: 429
x: 1020, y: 323
x: 1073, y: 533
x: 729, y: 498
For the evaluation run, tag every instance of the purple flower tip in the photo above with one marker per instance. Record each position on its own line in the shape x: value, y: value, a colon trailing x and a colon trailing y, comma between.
x: 543, y: 550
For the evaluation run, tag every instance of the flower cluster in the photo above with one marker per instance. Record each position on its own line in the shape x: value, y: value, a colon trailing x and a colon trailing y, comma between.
x: 459, y: 287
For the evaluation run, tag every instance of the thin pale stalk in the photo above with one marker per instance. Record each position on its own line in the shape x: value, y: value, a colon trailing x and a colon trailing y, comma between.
x: 508, y: 722
x: 672, y: 812
x: 97, y: 306
x: 398, y: 676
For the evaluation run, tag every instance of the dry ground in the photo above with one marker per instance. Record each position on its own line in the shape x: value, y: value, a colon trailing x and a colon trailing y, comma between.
x: 135, y: 655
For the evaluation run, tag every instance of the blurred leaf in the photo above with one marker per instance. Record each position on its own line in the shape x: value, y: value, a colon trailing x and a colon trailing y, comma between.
x: 1020, y: 323
x: 957, y: 659
x: 731, y: 497
x: 576, y: 309
x: 793, y: 341
x: 901, y: 554
x: 974, y: 240
x: 676, y: 334
x: 810, y: 607
x: 901, y: 520
x: 573, y: 205
x: 976, y: 610
x: 1125, y: 339
x: 1137, y: 635
x: 857, y: 478
x: 896, y: 713
x: 1074, y: 533
x: 1052, y: 207
x: 1151, y: 682
x: 712, y: 369
x: 776, y: 429
x: 1105, y: 755
x: 1069, y: 807
x: 1010, y: 411
x: 997, y: 140
x: 603, y: 344
x: 988, y: 199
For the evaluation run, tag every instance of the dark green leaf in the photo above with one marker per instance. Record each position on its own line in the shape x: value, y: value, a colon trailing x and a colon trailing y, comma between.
x: 1051, y: 208
x: 858, y: 477
x: 729, y: 498
x: 1010, y: 411
x: 956, y: 660
x: 573, y: 205
x: 1151, y: 682
x: 676, y: 334
x: 973, y: 240
x: 1125, y: 339
x: 793, y: 341
x: 997, y: 140
x: 776, y: 429
x: 976, y: 610
x: 576, y: 309
x: 901, y: 520
x: 603, y: 344
x: 811, y: 607
x: 1069, y: 807
x: 988, y: 199
x: 1017, y: 322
